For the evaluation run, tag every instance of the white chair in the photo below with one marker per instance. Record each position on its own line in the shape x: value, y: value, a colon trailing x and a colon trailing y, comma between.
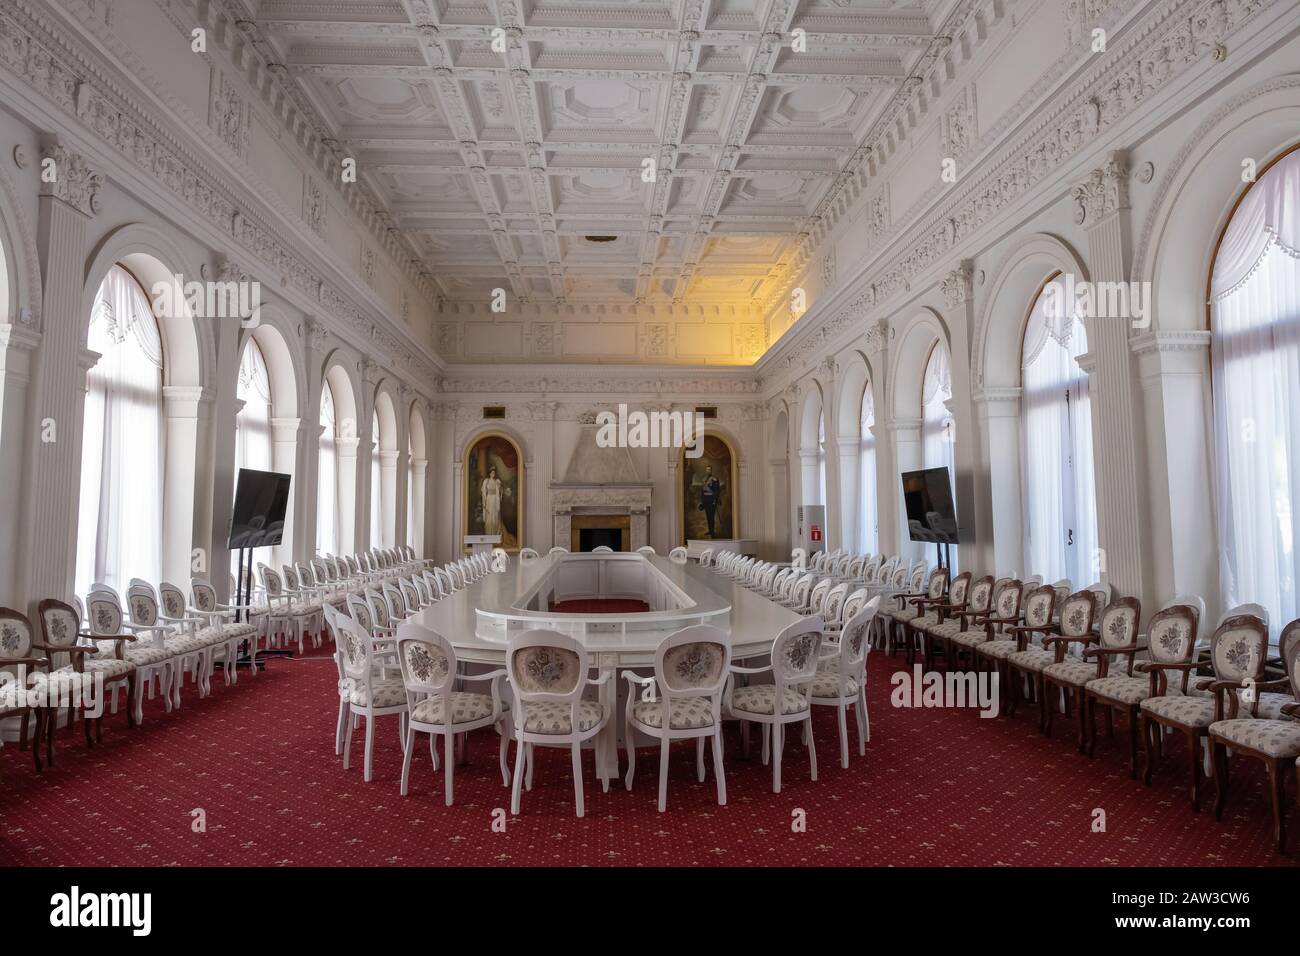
x: 841, y: 680
x: 528, y: 554
x: 435, y: 707
x: 190, y: 651
x: 224, y: 637
x: 706, y: 558
x: 548, y: 674
x: 677, y: 555
x: 646, y: 550
x: 558, y: 550
x: 602, y: 549
x: 204, y: 603
x: 152, y: 660
x: 293, y: 618
x: 795, y: 656
x: 691, y: 672
x: 369, y: 695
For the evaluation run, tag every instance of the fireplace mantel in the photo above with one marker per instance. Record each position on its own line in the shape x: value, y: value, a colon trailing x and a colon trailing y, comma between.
x: 630, y: 498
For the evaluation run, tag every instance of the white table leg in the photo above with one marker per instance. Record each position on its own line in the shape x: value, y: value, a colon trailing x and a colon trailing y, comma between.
x: 607, y: 739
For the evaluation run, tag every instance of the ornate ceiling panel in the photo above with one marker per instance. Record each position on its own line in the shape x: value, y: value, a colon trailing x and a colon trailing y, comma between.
x: 694, y: 137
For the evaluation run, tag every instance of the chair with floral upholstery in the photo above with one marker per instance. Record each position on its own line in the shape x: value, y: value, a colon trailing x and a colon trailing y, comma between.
x: 1033, y: 656
x: 253, y: 628
x: 435, y: 707
x: 370, y: 694
x: 967, y: 600
x: 1071, y: 672
x: 1240, y: 657
x: 93, y: 667
x: 683, y: 700
x: 153, y: 662
x: 841, y: 680
x: 911, y: 604
x: 192, y: 648
x: 295, y: 618
x: 1005, y: 639
x: 933, y: 613
x: 976, y: 627
x: 548, y: 673
x: 796, y: 652
x: 20, y: 665
x: 224, y: 637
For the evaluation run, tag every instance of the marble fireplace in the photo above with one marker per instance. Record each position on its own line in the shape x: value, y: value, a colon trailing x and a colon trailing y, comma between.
x: 600, y: 491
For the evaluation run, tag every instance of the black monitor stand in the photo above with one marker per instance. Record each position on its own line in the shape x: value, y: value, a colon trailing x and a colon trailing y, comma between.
x: 244, y: 597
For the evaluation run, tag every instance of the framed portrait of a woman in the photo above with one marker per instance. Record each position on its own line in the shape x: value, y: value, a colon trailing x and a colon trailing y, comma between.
x: 494, y: 483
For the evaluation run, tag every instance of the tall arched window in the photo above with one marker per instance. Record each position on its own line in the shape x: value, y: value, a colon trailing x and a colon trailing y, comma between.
x: 376, y: 493
x: 119, y: 527
x: 867, y: 531
x: 938, y: 433
x: 1060, y: 498
x: 1255, y: 354
x: 253, y: 420
x: 821, y: 458
x: 327, y: 488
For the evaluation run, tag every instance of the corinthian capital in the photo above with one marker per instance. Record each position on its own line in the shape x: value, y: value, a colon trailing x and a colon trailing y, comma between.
x: 1103, y: 192
x: 957, y: 287
x: 67, y: 176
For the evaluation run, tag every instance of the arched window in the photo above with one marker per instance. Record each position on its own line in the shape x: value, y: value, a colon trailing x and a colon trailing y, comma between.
x: 938, y: 433
x: 867, y: 530
x: 821, y: 458
x: 1060, y: 498
x: 119, y: 527
x: 327, y: 490
x: 1255, y: 354
x: 253, y: 420
x: 376, y: 493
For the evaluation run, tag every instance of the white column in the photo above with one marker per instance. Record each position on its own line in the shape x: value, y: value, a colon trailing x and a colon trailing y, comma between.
x: 778, y: 470
x: 181, y: 420
x: 349, y: 523
x: 18, y: 346
x: 848, y: 454
x: 905, y: 445
x: 47, y: 505
x: 284, y: 459
x: 1175, y: 380
x: 388, y: 470
x: 1123, y: 503
x: 959, y: 301
x: 998, y: 412
x: 419, y: 477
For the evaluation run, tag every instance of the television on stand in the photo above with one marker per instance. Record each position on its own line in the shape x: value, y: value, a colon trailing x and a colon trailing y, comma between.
x: 256, y: 521
x: 931, y: 517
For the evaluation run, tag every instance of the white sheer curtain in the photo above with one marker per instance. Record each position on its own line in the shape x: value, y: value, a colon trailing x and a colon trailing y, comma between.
x: 1255, y: 354
x: 376, y: 504
x: 327, y: 493
x: 119, y: 526
x: 1060, y: 499
x: 938, y: 433
x: 253, y: 421
x: 867, y: 531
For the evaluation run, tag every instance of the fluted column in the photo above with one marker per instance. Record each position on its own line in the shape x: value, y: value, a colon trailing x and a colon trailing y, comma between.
x: 1123, y: 502
x: 959, y: 302
x: 181, y: 422
x: 284, y: 458
x: 350, y: 525
x: 51, y: 487
x: 419, y: 475
x: 388, y: 471
x: 306, y: 494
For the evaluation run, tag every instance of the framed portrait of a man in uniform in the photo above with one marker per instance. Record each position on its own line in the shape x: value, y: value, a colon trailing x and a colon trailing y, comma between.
x: 709, y: 493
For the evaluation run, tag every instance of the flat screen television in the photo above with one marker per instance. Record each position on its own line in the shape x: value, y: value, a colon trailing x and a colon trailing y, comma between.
x: 257, y: 518
x: 927, y: 495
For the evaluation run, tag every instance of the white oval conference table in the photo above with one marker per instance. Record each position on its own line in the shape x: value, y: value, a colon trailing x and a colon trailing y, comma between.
x: 480, y: 619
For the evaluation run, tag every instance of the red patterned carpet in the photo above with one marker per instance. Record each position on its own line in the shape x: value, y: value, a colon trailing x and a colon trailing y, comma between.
x: 937, y: 787
x: 600, y: 606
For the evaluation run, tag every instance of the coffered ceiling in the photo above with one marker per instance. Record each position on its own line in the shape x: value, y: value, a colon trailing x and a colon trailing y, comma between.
x: 503, y: 133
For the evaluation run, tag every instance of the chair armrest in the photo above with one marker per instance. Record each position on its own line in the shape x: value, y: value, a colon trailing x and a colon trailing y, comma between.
x: 1146, y: 666
x: 1291, y: 710
x: 68, y: 649
x: 636, y: 678
x: 490, y: 675
x: 1063, y: 639
x: 1109, y: 651
x: 735, y: 669
x: 603, y: 678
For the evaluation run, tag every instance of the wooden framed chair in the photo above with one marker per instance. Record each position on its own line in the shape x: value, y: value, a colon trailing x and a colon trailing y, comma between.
x: 91, y: 671
x: 1005, y: 639
x: 21, y: 666
x: 933, y: 613
x: 548, y: 672
x: 435, y: 707
x: 1031, y: 658
x: 795, y: 655
x: 683, y: 700
x: 910, y: 605
x: 975, y: 627
x: 841, y: 680
x: 1070, y: 673
x: 967, y: 599
x: 1275, y: 741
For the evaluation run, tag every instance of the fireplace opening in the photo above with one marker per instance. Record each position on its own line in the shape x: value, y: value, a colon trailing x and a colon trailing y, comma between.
x: 589, y: 539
